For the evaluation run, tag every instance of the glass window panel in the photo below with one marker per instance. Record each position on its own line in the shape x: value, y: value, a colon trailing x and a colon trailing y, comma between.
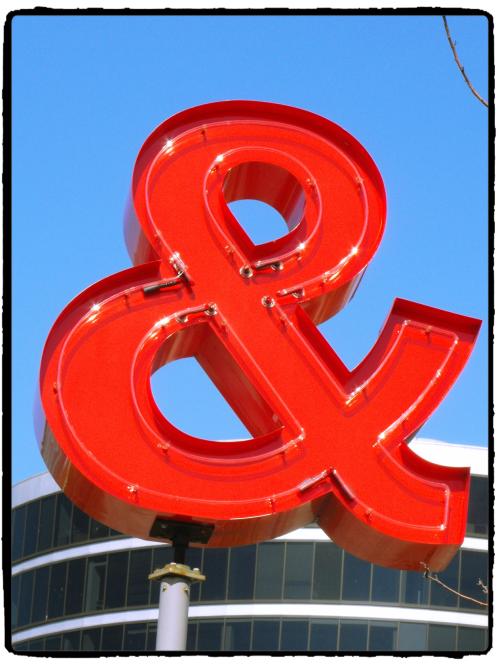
x: 477, y: 517
x: 412, y: 636
x: 53, y: 643
x: 237, y: 636
x: 116, y: 579
x: 138, y: 583
x: 94, y: 587
x: 135, y: 637
x: 76, y: 581
x: 14, y: 593
x: 36, y: 645
x: 327, y: 564
x: 440, y: 597
x: 193, y: 558
x: 22, y: 646
x: 151, y: 640
x: 71, y: 641
x: 474, y: 567
x: 41, y: 595
x: 269, y: 572
x: 385, y: 584
x: 98, y: 531
x: 471, y: 639
x: 191, y: 636
x: 241, y: 573
x: 215, y: 570
x: 266, y: 635
x: 353, y: 636
x: 161, y: 557
x: 63, y: 520
x: 79, y: 526
x: 46, y: 523
x: 91, y: 639
x: 294, y: 635
x: 18, y: 536
x: 31, y: 531
x: 209, y: 636
x: 382, y: 637
x: 112, y: 636
x: 324, y: 636
x: 25, y: 598
x: 415, y: 588
x: 298, y: 570
x: 57, y: 589
x: 356, y: 578
x: 442, y: 637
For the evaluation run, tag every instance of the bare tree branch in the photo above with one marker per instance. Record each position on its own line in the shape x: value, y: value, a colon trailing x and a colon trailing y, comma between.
x: 433, y: 577
x: 460, y: 66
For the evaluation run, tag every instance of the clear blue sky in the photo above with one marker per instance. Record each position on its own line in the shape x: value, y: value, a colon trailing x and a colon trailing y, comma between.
x: 87, y: 91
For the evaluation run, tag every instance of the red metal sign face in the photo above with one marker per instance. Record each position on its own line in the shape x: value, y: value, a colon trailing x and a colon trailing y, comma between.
x: 327, y: 443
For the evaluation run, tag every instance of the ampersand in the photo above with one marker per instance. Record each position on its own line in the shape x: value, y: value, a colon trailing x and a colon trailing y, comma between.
x: 328, y: 444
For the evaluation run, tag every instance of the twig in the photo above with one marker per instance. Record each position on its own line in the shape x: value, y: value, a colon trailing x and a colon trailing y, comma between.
x: 460, y: 66
x: 433, y: 577
x: 483, y: 586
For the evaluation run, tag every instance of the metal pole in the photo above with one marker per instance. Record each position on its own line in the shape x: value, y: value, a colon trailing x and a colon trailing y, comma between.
x: 175, y: 584
x: 171, y: 633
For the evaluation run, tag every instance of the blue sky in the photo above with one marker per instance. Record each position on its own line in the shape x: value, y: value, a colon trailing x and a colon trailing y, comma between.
x: 88, y: 90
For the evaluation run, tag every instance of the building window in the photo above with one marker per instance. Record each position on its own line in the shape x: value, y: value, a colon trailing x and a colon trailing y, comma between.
x: 63, y: 520
x: 41, y: 594
x: 135, y: 637
x: 25, y: 598
x: 215, y: 570
x: 266, y: 635
x: 237, y: 636
x: 116, y: 579
x: 294, y: 635
x: 209, y: 636
x: 71, y: 641
x: 382, y: 637
x: 298, y: 570
x: 46, y: 523
x: 91, y: 639
x: 477, y: 517
x: 440, y: 597
x: 412, y: 637
x: 139, y: 570
x: 415, y: 588
x: 442, y: 637
x: 327, y: 568
x: 474, y: 568
x: 385, y: 584
x: 324, y: 636
x: 57, y: 590
x: 31, y: 535
x: 76, y: 583
x: 471, y: 639
x: 269, y: 573
x: 353, y: 636
x: 98, y: 531
x: 112, y: 636
x: 356, y: 578
x: 94, y: 586
x: 18, y: 525
x: 79, y: 526
x: 241, y: 573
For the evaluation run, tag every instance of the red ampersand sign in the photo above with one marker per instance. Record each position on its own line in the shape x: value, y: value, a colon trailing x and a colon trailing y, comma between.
x: 328, y: 443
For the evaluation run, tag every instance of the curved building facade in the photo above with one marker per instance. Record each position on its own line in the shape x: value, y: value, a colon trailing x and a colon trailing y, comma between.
x: 79, y: 586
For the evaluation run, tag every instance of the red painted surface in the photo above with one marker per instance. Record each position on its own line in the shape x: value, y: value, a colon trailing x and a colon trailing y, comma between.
x: 327, y: 442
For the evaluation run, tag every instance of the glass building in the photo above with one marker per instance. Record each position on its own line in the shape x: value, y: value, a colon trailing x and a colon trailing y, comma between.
x: 79, y: 586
